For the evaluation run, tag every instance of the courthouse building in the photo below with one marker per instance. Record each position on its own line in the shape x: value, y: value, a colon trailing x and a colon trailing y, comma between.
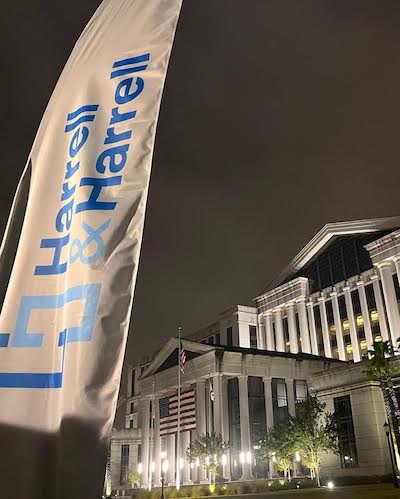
x: 306, y: 332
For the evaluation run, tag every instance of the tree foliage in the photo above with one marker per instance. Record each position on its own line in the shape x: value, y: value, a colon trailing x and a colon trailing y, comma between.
x: 208, y: 450
x: 279, y: 445
x: 314, y: 432
x: 311, y: 433
x: 134, y: 478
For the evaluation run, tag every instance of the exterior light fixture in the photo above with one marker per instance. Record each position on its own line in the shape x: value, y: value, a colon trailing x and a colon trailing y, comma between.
x: 140, y: 468
x: 389, y: 437
x: 207, y: 461
x: 297, y: 457
x: 248, y: 457
x: 197, y: 462
x: 242, y: 457
x: 165, y: 466
x: 274, y: 457
x: 191, y: 466
x: 330, y: 485
x: 223, y: 460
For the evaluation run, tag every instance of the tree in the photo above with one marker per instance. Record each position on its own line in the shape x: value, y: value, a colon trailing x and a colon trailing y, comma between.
x: 280, y: 445
x: 380, y: 368
x: 134, y: 478
x: 208, y: 450
x: 314, y: 433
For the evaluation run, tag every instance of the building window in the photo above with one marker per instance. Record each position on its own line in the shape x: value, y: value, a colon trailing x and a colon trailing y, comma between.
x: 131, y: 423
x: 139, y: 453
x: 286, y: 333
x: 211, y: 340
x: 300, y: 390
x: 346, y: 439
x: 279, y: 400
x: 133, y: 382
x: 218, y: 339
x: 253, y: 336
x: 132, y: 408
x: 373, y: 313
x: 229, y: 337
x: 234, y: 428
x: 124, y: 464
x: 258, y: 423
x: 204, y: 341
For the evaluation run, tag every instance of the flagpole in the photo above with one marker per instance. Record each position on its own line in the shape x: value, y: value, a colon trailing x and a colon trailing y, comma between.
x: 150, y: 476
x: 178, y: 435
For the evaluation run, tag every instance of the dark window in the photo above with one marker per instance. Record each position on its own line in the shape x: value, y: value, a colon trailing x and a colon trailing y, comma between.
x: 318, y: 327
x: 131, y: 423
x: 229, y: 337
x: 258, y: 424
x: 124, y: 464
x: 234, y: 427
x: 133, y: 382
x: 286, y: 332
x: 279, y: 400
x: 211, y: 340
x: 331, y: 328
x: 139, y: 453
x: 347, y: 439
x: 218, y: 339
x: 373, y: 313
x: 300, y: 390
x: 203, y: 341
x: 253, y: 336
x: 396, y: 286
x: 132, y: 408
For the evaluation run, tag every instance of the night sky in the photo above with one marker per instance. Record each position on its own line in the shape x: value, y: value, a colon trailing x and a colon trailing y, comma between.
x: 278, y: 116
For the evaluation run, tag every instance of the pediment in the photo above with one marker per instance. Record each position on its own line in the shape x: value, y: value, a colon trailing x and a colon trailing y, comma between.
x: 167, y: 357
x: 327, y: 234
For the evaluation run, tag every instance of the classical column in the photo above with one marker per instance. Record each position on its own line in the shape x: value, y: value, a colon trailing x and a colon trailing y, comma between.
x: 303, y: 323
x: 280, y: 339
x: 352, y: 324
x: 380, y: 308
x: 291, y: 397
x: 325, y: 329
x: 269, y: 332
x: 294, y: 343
x: 244, y: 426
x: 217, y: 385
x: 171, y: 458
x: 260, y: 333
x: 389, y: 293
x: 201, y: 419
x: 313, y: 332
x: 157, y: 444
x: 226, y: 471
x: 145, y: 441
x: 365, y: 313
x: 185, y: 442
x: 269, y: 415
x: 338, y: 326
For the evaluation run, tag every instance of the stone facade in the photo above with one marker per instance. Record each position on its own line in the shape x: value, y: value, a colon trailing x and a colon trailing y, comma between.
x: 312, y: 324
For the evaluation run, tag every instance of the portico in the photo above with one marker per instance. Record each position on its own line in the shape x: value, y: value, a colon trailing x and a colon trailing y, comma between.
x: 229, y: 372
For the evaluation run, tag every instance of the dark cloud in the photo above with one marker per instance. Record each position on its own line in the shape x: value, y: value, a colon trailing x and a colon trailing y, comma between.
x: 278, y: 116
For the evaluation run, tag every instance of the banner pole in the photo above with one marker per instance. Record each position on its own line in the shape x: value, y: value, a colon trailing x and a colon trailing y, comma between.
x: 178, y: 434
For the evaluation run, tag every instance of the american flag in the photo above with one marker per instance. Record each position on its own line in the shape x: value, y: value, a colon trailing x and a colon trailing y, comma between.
x: 169, y: 413
x: 182, y: 359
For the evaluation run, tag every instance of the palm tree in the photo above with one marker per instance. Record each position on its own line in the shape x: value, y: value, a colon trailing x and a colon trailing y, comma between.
x: 379, y: 367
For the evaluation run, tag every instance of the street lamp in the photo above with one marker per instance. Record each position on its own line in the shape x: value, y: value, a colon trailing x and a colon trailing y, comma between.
x: 386, y: 427
x: 164, y: 469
